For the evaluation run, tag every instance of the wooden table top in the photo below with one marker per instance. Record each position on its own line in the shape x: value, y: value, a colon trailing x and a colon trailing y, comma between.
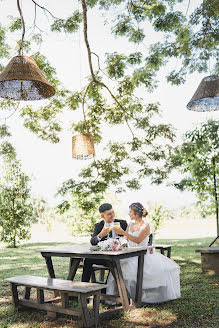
x: 85, y: 250
x: 214, y: 249
x: 163, y: 246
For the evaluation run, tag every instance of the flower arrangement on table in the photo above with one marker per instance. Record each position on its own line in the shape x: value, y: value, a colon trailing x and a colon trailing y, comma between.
x: 111, y: 244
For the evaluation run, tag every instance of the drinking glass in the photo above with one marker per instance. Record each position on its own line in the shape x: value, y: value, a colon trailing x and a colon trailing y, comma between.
x: 108, y: 226
x: 116, y: 225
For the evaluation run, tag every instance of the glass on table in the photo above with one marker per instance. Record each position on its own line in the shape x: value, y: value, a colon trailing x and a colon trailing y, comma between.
x: 116, y: 225
x: 108, y: 226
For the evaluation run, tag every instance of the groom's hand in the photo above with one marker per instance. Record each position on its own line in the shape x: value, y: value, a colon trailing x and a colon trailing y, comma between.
x: 104, y: 232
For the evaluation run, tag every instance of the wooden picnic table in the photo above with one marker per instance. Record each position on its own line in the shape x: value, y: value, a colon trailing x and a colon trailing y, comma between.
x: 77, y: 252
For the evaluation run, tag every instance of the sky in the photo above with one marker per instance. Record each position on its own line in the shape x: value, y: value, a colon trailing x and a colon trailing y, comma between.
x: 51, y: 164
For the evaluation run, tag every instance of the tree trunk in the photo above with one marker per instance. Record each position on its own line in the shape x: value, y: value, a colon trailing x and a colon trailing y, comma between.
x: 215, y: 195
x: 14, y: 224
x: 14, y: 240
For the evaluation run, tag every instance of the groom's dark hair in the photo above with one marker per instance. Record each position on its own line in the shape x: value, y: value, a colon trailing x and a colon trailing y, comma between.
x: 105, y: 207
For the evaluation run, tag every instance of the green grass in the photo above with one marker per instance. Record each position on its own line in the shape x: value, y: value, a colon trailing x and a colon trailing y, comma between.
x: 197, y: 307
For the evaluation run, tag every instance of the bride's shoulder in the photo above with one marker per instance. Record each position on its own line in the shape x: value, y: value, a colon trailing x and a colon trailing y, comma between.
x: 130, y: 224
x: 145, y: 226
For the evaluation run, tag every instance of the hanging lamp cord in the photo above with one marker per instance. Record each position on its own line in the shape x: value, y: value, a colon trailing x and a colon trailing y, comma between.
x: 23, y: 28
x: 93, y: 77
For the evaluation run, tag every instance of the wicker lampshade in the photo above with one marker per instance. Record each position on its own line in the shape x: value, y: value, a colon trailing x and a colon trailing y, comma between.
x: 206, y: 97
x: 22, y: 80
x: 83, y: 146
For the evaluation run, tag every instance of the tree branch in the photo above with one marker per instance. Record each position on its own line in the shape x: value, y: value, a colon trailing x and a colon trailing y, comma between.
x: 118, y: 102
x: 83, y: 101
x: 100, y: 69
x: 45, y: 9
x: 5, y: 118
x: 187, y: 8
x: 84, y: 7
x: 23, y: 27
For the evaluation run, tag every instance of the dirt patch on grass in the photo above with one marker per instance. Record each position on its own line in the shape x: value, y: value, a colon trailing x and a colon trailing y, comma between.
x: 151, y: 318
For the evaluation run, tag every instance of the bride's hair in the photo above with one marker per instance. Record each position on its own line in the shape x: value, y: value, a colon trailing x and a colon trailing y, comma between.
x: 139, y: 209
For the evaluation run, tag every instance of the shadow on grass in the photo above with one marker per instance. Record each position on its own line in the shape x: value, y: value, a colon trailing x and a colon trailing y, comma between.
x: 196, y: 308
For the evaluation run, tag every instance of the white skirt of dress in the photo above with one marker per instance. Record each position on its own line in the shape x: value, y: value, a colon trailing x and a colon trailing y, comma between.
x: 161, y: 278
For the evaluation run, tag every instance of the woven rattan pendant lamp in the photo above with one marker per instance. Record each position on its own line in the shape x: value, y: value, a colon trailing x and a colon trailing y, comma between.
x: 22, y: 79
x: 83, y: 143
x: 83, y: 146
x: 206, y: 97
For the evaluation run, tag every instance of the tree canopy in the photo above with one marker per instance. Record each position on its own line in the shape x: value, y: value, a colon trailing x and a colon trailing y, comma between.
x: 16, y: 210
x: 198, y: 159
x: 189, y: 34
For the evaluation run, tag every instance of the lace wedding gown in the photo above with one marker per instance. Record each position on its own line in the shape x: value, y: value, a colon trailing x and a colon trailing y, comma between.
x: 160, y: 276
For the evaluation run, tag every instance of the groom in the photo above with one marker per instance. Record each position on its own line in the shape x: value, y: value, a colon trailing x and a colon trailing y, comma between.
x: 100, y: 234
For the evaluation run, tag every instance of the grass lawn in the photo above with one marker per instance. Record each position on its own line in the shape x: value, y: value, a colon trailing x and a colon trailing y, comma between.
x: 197, y: 307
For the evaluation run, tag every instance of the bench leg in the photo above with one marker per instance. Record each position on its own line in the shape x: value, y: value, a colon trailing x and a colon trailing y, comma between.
x: 65, y: 300
x: 27, y: 293
x: 14, y: 295
x: 96, y: 305
x: 89, y: 318
x: 169, y: 252
x: 84, y: 310
x: 40, y: 296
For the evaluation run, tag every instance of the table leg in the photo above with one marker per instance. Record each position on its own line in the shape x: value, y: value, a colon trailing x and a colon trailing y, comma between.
x: 51, y: 271
x: 111, y: 266
x: 50, y: 267
x: 138, y: 295
x: 121, y: 285
x: 73, y: 266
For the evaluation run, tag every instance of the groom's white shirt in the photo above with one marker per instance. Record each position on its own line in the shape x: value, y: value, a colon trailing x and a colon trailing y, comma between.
x: 114, y: 234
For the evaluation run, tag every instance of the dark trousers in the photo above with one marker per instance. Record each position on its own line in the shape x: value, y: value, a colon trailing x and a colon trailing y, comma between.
x: 87, y: 270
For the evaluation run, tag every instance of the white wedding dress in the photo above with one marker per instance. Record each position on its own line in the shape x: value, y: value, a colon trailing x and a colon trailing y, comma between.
x: 161, y: 281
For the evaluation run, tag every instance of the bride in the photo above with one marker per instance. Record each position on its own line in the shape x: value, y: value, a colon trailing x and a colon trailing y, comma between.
x: 160, y: 276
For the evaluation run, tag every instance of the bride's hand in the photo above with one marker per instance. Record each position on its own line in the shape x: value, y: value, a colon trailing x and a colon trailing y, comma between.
x: 151, y: 251
x: 120, y: 231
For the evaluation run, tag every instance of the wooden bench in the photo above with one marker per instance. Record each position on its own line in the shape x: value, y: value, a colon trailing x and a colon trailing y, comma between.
x: 66, y: 288
x: 209, y: 259
x: 166, y: 248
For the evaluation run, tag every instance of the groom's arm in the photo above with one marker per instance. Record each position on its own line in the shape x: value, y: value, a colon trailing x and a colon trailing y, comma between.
x: 95, y: 236
x: 124, y: 224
